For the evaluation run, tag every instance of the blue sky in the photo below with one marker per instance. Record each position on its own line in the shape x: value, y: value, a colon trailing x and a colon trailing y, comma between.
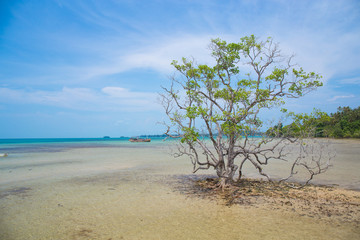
x: 93, y: 68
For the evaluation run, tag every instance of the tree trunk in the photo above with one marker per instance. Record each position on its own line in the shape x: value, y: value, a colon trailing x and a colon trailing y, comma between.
x: 231, y: 171
x: 240, y: 169
x: 221, y: 173
x: 226, y: 174
x: 223, y: 182
x: 231, y: 167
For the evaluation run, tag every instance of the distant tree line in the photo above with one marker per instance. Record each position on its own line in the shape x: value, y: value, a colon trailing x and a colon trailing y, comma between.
x: 345, y: 123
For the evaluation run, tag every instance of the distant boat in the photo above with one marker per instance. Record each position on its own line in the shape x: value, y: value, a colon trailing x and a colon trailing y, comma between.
x: 3, y: 154
x: 139, y: 139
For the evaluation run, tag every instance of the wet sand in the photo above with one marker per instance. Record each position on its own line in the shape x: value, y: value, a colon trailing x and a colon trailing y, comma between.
x: 124, y: 193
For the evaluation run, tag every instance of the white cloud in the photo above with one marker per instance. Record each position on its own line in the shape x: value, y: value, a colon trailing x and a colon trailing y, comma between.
x: 107, y: 99
x: 324, y: 51
x: 310, y: 29
x: 160, y: 53
x: 118, y: 92
x: 156, y: 53
x: 354, y: 80
x: 341, y: 97
x: 322, y: 44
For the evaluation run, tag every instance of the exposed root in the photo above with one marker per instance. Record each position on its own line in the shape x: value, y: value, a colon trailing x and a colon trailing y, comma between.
x: 312, y: 201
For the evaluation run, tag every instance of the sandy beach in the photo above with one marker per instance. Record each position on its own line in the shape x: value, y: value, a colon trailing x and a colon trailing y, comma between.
x: 141, y: 192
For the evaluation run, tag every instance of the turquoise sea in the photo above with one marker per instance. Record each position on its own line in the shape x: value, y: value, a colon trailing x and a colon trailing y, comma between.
x: 25, y: 145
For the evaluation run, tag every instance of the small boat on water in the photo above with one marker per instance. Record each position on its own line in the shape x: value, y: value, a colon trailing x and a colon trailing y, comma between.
x: 139, y: 139
x: 3, y: 154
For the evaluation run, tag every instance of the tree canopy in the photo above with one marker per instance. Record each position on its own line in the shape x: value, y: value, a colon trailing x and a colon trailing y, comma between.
x: 224, y: 101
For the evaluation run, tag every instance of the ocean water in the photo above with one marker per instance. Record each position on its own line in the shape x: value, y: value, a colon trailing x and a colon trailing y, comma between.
x: 115, y: 189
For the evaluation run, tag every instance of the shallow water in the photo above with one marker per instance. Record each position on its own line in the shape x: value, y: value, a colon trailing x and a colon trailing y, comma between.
x: 127, y: 191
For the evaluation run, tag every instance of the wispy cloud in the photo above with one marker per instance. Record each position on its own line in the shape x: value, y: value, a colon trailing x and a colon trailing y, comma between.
x: 354, y: 80
x: 84, y: 99
x: 340, y: 97
x: 78, y: 55
x: 122, y: 41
